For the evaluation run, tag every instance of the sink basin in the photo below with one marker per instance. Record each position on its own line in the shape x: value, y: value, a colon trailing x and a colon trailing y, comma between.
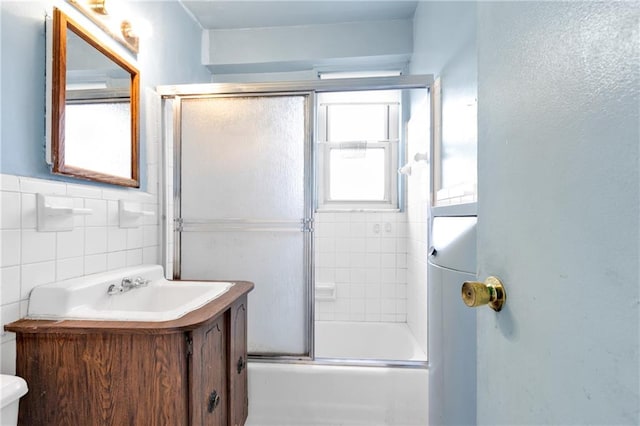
x: 86, y: 298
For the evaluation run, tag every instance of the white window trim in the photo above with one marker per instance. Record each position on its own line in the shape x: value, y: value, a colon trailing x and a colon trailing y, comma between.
x: 391, y: 147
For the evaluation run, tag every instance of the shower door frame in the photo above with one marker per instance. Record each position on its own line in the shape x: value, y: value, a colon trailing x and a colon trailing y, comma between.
x: 176, y: 93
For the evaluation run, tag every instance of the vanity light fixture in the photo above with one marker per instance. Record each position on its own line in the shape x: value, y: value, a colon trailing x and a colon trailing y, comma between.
x: 135, y: 29
x: 109, y: 16
x: 99, y: 6
x: 128, y: 32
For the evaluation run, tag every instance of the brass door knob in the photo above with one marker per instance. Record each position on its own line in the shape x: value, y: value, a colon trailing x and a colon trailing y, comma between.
x: 490, y: 292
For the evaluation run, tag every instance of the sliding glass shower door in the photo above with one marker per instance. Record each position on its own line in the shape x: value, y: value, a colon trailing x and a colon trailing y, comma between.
x: 244, y: 209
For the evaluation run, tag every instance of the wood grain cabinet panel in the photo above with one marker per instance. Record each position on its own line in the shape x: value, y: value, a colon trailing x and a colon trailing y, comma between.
x: 190, y: 371
x: 238, y: 392
x: 208, y: 369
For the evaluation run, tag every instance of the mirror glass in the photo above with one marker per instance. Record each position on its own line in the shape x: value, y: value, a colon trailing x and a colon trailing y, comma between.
x: 94, y: 108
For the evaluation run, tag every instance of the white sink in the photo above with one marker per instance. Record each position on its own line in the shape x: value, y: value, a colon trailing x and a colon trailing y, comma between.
x: 87, y: 297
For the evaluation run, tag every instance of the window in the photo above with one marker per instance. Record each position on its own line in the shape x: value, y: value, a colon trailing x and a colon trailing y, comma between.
x: 358, y: 137
x: 455, y: 145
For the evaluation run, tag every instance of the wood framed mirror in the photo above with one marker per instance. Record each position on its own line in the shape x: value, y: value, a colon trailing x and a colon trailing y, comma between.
x: 94, y: 114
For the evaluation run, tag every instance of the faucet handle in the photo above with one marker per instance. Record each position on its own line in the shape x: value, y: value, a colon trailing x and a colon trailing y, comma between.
x: 141, y: 282
x: 114, y: 289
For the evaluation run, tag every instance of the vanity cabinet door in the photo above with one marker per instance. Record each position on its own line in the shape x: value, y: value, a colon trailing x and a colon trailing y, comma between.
x: 238, y: 398
x: 208, y: 375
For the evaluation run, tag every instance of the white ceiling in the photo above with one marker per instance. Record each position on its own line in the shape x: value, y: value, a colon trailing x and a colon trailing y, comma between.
x: 227, y: 14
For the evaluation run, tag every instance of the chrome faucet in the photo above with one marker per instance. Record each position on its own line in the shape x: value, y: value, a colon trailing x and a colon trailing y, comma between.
x: 127, y: 284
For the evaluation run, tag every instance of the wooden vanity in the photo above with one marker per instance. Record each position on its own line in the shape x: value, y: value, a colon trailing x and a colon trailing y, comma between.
x: 188, y: 371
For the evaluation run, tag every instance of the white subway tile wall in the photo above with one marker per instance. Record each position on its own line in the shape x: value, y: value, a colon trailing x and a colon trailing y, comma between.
x: 365, y: 255
x: 96, y: 244
x: 418, y: 238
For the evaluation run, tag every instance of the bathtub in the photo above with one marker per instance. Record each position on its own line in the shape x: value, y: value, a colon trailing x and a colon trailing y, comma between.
x: 326, y: 392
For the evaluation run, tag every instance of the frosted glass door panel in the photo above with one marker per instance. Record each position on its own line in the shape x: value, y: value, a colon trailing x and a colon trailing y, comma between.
x: 243, y: 209
x: 274, y: 262
x: 243, y: 157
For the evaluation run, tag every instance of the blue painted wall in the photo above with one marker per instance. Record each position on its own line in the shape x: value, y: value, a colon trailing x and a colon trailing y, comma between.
x: 445, y: 45
x: 171, y: 55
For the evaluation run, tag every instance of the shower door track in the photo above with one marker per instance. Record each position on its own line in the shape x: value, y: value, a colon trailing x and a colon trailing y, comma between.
x: 343, y: 362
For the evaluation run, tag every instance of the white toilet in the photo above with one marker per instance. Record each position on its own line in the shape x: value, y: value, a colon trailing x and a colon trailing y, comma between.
x: 12, y: 388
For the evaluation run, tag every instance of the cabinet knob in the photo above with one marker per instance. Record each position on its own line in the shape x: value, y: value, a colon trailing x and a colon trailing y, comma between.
x: 241, y: 365
x: 214, y: 401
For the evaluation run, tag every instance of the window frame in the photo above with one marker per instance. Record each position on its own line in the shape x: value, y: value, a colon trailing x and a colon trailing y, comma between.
x: 391, y: 146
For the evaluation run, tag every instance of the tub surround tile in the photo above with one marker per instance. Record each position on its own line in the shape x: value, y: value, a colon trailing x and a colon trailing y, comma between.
x: 360, y: 244
x: 358, y: 260
x: 342, y: 260
x: 359, y: 251
x: 373, y: 245
x: 388, y: 306
x: 388, y: 290
x: 388, y: 260
x: 401, y: 260
x: 325, y: 275
x: 343, y: 275
x: 339, y: 229
x: 373, y: 276
x: 373, y: 260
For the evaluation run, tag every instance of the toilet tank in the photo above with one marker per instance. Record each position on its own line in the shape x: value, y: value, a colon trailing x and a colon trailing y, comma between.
x: 12, y: 388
